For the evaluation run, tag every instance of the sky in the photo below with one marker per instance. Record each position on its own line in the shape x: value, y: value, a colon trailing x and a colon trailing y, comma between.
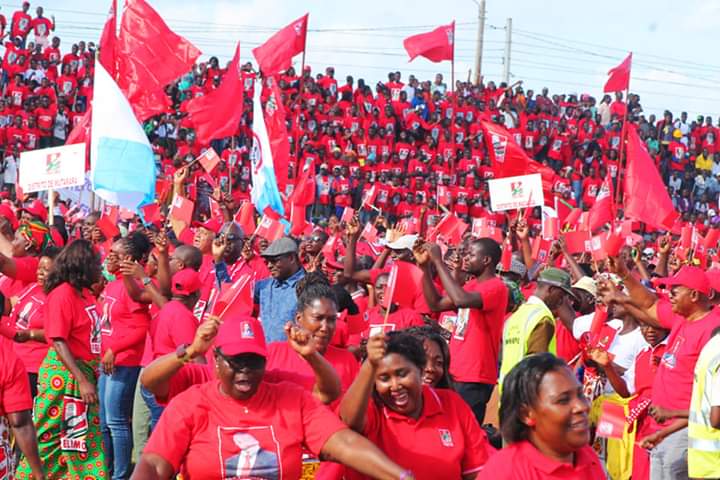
x: 565, y: 45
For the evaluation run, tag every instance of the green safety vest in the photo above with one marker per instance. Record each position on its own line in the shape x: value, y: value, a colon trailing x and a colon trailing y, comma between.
x: 703, y: 439
x: 516, y: 333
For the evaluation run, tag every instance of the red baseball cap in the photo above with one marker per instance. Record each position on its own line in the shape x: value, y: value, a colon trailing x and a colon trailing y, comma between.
x: 7, y: 212
x: 713, y: 276
x: 186, y: 282
x: 693, y: 278
x: 213, y: 224
x: 240, y: 334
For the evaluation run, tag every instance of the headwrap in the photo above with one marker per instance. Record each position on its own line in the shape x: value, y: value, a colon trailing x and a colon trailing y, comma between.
x: 36, y: 233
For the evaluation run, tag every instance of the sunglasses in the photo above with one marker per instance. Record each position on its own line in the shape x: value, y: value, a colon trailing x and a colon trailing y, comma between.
x: 243, y: 361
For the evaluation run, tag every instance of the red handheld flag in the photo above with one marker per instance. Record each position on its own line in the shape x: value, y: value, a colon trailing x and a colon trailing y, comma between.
x: 107, y: 227
x: 304, y: 192
x: 369, y: 233
x: 235, y: 298
x: 507, y: 157
x: 277, y: 52
x: 712, y: 237
x: 506, y: 258
x: 612, y: 420
x: 619, y: 77
x: 613, y: 244
x: 209, y: 159
x: 436, y: 46
x: 599, y: 319
x: 269, y: 229
x: 575, y: 242
x: 403, y: 283
x: 603, y: 210
x: 245, y: 216
x: 182, y: 209
x: 298, y: 223
x: 686, y: 236
x: 278, y: 135
x: 151, y: 213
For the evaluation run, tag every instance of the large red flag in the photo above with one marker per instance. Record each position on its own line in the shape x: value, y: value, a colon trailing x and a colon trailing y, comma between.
x: 214, y: 115
x: 277, y: 52
x: 304, y: 192
x: 436, y: 46
x: 108, y: 42
x: 150, y: 56
x: 619, y: 77
x: 645, y: 196
x: 507, y: 157
x: 603, y: 210
x: 245, y: 216
x: 278, y: 135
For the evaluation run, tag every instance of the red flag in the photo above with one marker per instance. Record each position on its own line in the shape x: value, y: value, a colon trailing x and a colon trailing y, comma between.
x: 507, y: 157
x: 213, y: 115
x: 611, y: 423
x: 235, y: 298
x: 550, y: 228
x: 619, y: 77
x: 436, y: 46
x: 108, y: 42
x: 576, y: 241
x: 369, y: 233
x: 209, y: 159
x: 712, y: 238
x: 278, y: 135
x: 347, y: 215
x: 245, y: 217
x: 403, y: 284
x: 270, y: 229
x: 107, y: 227
x: 613, y: 244
x: 603, y: 210
x: 151, y: 212
x: 599, y: 319
x: 112, y: 212
x: 572, y: 219
x: 506, y: 258
x: 277, y: 52
x: 645, y: 195
x: 451, y: 228
x: 686, y: 236
x: 304, y: 192
x: 150, y: 56
x: 563, y: 210
x: 298, y: 223
x: 541, y: 249
x: 182, y: 209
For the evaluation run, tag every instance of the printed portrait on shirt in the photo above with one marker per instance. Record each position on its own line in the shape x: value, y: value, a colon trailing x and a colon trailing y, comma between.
x: 106, y: 323
x: 249, y: 453
x: 461, y: 323
x: 29, y: 309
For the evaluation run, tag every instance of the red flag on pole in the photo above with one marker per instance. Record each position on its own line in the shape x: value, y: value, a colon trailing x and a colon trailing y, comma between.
x: 619, y: 77
x: 278, y: 135
x: 436, y: 45
x: 403, y: 284
x: 149, y: 57
x: 235, y: 298
x: 507, y: 157
x: 209, y: 159
x: 277, y: 52
x: 304, y: 192
x: 182, y: 209
x: 603, y: 210
x: 269, y: 229
x: 213, y: 115
x: 645, y: 195
x: 108, y: 42
x: 298, y: 223
x: 245, y: 217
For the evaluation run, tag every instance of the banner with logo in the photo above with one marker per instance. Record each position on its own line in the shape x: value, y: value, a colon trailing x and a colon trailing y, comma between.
x: 513, y: 193
x: 52, y: 168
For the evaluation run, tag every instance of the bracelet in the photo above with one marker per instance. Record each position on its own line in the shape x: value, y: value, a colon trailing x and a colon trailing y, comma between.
x: 407, y: 475
x: 32, y: 335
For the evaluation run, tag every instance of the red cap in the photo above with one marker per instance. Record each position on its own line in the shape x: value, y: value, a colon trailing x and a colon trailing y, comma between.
x: 713, y: 276
x: 7, y: 212
x: 241, y: 334
x: 693, y: 278
x: 37, y: 209
x: 186, y: 282
x: 214, y: 225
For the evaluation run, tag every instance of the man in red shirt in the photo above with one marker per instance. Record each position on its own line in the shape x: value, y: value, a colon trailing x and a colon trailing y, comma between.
x: 481, y: 305
x: 42, y: 27
x: 21, y: 22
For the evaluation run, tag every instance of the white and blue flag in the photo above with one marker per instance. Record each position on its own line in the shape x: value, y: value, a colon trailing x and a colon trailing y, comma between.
x: 121, y: 160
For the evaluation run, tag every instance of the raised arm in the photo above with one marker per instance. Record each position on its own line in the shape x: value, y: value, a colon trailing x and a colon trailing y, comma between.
x: 353, y: 231
x: 327, y: 386
x: 354, y: 405
x: 459, y: 297
x: 435, y: 301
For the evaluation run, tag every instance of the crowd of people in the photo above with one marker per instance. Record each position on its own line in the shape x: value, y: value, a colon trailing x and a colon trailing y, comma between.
x: 373, y: 343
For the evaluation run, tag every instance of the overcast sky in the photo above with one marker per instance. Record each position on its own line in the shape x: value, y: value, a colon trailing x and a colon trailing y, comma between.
x: 566, y: 45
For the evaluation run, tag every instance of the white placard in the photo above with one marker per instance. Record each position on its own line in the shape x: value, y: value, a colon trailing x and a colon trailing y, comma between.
x: 52, y: 168
x: 512, y: 193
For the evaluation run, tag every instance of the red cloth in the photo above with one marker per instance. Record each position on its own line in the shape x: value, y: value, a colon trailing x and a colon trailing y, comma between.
x: 73, y: 317
x: 176, y: 326
x: 445, y: 442
x: 436, y: 46
x: 108, y: 42
x: 124, y: 326
x: 475, y: 341
x: 29, y: 314
x: 619, y: 77
x: 282, y: 418
x: 276, y: 53
x: 14, y: 385
x: 603, y: 209
x: 277, y: 135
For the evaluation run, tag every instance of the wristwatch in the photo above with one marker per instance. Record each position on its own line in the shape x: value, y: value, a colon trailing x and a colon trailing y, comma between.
x: 146, y: 281
x: 182, y: 354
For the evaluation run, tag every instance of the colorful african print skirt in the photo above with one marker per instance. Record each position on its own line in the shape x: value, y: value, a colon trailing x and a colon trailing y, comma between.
x: 68, y: 429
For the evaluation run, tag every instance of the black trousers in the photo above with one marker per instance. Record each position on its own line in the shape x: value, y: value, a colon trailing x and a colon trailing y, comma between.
x: 477, y: 395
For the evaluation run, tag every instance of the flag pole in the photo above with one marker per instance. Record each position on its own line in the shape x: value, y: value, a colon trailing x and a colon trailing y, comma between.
x: 623, y: 137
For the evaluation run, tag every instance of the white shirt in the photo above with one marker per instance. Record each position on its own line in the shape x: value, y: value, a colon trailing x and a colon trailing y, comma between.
x: 10, y: 174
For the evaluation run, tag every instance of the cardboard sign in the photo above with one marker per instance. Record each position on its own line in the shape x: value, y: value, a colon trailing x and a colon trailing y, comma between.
x: 52, y: 168
x: 513, y: 193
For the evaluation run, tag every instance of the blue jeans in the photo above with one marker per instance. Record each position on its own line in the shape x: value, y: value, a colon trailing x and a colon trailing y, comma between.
x: 155, y: 408
x: 116, y: 394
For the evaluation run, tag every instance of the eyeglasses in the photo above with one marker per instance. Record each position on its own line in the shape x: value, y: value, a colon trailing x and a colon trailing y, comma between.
x: 243, y: 361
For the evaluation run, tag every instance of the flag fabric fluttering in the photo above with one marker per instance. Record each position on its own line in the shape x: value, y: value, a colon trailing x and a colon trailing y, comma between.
x: 149, y: 57
x: 436, y: 46
x: 507, y: 157
x: 275, y: 55
x: 603, y: 210
x: 122, y: 161
x: 619, y: 77
x: 108, y: 42
x: 265, y: 191
x: 278, y: 135
x: 212, y: 114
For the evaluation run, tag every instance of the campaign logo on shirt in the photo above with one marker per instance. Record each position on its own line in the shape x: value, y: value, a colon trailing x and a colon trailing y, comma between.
x: 95, y: 329
x: 106, y: 322
x: 23, y: 319
x: 74, y: 426
x: 249, y: 453
x: 669, y: 359
x: 446, y: 437
x: 461, y: 323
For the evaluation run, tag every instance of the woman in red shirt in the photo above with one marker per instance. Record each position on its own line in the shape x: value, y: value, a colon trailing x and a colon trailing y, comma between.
x: 242, y: 426
x: 125, y: 323
x: 434, y: 431
x: 436, y: 373
x: 544, y: 419
x: 66, y: 411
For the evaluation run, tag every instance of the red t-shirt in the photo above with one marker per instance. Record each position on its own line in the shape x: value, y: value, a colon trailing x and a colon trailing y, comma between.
x: 445, y: 442
x: 124, y: 325
x: 28, y: 314
x: 204, y: 432
x: 176, y: 326
x: 282, y: 358
x: 400, y: 319
x: 522, y: 461
x: 73, y: 317
x: 14, y: 384
x: 672, y: 387
x: 475, y: 342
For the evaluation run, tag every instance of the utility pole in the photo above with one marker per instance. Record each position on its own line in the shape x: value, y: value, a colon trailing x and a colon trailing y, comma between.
x: 480, y: 37
x: 506, y: 57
